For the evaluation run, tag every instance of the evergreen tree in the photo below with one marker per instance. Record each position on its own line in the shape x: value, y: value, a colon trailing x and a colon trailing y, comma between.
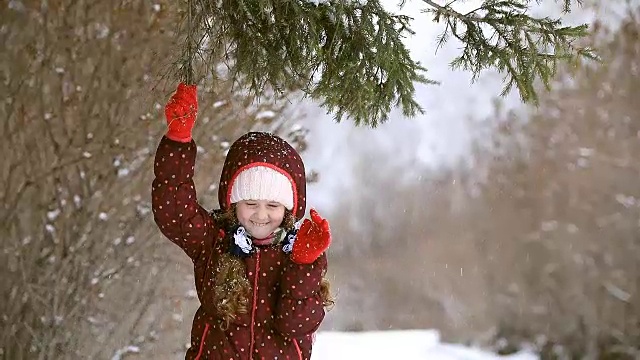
x: 349, y: 56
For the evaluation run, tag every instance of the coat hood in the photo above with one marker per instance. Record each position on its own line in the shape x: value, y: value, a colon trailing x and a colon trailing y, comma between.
x: 264, y: 149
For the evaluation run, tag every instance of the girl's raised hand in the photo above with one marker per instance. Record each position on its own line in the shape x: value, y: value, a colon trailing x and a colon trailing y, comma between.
x: 180, y: 112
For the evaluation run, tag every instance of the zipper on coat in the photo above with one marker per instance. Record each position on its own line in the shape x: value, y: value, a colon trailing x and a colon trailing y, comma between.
x: 204, y: 336
x: 255, y: 300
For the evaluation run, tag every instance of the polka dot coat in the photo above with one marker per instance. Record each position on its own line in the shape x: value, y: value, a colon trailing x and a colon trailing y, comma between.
x: 286, y: 307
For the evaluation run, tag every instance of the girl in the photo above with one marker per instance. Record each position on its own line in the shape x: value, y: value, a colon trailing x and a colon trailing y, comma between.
x: 259, y: 279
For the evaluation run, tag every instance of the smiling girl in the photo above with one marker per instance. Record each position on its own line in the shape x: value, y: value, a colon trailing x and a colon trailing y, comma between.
x: 259, y: 276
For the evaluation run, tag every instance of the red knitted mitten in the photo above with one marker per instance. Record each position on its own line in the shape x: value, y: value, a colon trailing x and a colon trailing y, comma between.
x: 180, y: 112
x: 314, y: 238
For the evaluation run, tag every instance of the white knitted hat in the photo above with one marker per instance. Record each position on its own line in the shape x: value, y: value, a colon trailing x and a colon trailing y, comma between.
x: 262, y: 183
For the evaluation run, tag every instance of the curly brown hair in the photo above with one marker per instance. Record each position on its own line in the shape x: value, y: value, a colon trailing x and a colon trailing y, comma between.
x: 232, y: 289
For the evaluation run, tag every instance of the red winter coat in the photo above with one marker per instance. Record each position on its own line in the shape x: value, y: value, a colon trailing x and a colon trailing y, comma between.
x: 286, y: 306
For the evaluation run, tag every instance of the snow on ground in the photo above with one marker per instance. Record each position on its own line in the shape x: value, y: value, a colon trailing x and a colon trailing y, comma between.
x: 442, y: 135
x: 398, y: 345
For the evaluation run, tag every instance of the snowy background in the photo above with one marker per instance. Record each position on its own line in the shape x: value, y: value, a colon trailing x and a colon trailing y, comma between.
x: 439, y: 138
x: 419, y: 257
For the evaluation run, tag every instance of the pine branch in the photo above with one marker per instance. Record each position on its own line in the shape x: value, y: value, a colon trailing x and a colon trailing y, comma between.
x: 526, y: 49
x: 191, y: 46
x: 350, y: 57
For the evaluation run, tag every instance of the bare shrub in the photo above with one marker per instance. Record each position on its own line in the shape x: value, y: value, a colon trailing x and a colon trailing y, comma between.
x: 569, y: 193
x: 82, y: 114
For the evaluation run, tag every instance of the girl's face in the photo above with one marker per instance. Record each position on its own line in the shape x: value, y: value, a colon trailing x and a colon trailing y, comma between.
x: 260, y: 217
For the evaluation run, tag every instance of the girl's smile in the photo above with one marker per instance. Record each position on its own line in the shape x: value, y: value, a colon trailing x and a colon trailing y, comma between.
x: 260, y: 217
